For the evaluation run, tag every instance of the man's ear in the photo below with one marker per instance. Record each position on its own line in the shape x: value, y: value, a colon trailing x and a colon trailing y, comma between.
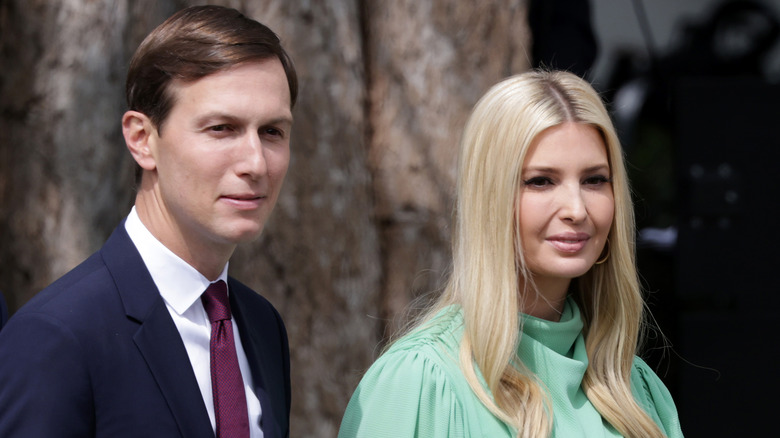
x: 139, y: 132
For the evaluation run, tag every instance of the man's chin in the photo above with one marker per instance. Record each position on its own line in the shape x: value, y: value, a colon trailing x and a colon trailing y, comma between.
x: 246, y: 235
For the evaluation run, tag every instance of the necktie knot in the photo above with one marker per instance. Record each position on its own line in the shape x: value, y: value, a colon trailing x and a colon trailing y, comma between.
x: 216, y: 302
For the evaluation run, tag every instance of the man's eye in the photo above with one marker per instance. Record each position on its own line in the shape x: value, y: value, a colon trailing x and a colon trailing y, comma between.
x: 220, y: 128
x: 273, y: 132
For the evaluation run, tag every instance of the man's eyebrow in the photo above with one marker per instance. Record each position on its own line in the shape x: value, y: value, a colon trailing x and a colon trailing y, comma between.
x: 218, y: 116
x: 283, y: 120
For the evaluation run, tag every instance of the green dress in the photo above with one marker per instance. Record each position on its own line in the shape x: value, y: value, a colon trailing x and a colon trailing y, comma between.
x: 416, y: 389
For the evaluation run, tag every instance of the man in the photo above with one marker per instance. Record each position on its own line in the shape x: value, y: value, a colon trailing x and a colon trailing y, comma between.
x: 128, y: 344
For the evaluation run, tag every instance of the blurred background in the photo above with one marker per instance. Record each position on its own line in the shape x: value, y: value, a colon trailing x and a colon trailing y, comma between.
x: 363, y: 223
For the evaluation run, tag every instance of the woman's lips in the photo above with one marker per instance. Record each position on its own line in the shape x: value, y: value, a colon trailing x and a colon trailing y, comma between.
x: 569, y: 243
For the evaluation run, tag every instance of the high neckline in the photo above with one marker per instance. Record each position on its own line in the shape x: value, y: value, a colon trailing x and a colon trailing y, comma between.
x: 558, y: 336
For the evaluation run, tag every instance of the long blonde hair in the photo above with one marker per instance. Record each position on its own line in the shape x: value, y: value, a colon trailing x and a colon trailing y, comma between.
x: 487, y: 267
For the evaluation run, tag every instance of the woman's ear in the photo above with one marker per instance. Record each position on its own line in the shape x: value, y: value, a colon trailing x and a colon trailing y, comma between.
x: 139, y: 131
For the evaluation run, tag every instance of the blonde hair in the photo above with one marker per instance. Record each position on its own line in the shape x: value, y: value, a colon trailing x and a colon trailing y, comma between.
x: 487, y: 267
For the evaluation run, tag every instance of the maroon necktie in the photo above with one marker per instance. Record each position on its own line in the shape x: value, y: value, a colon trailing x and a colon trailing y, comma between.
x: 227, y: 386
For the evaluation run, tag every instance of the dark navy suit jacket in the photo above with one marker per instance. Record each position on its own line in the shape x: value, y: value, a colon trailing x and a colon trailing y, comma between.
x: 96, y: 354
x: 3, y: 310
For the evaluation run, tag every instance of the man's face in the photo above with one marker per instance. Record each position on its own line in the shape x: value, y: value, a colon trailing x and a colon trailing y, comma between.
x: 221, y: 157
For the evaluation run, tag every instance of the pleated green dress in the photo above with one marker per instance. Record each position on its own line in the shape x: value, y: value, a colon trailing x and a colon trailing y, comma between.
x: 416, y: 389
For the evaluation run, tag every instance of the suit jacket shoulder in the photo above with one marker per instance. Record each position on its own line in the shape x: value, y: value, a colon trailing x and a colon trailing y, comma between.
x: 99, y: 354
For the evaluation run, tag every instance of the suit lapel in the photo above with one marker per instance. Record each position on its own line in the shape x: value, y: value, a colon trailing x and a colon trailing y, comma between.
x: 157, y: 338
x: 162, y: 347
x: 250, y: 339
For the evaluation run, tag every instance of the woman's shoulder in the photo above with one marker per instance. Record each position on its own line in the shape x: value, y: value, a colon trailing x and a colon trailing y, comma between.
x: 654, y: 397
x: 443, y: 330
x: 430, y: 351
x: 416, y: 387
x: 647, y: 386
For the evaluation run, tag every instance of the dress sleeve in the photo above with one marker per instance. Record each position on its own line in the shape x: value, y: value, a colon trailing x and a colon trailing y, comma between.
x: 406, y: 393
x: 654, y: 397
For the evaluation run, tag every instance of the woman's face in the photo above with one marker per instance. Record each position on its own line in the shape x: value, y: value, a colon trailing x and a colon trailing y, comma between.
x: 565, y: 204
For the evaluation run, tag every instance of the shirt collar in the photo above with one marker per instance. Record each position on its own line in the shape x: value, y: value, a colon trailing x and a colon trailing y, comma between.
x: 179, y: 283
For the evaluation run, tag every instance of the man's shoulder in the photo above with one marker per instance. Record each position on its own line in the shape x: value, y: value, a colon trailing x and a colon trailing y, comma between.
x: 78, y: 306
x: 247, y: 296
x: 250, y: 305
x: 81, y: 284
x: 88, y: 288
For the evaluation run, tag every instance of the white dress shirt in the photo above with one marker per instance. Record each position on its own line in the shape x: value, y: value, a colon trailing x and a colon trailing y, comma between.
x: 181, y: 286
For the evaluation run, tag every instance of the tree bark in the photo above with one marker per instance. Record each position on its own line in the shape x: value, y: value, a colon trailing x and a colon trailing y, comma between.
x: 64, y: 175
x: 428, y: 63
x: 362, y: 226
x: 319, y: 258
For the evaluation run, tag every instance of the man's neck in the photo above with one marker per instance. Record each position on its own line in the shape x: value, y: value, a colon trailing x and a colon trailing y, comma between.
x: 208, y: 258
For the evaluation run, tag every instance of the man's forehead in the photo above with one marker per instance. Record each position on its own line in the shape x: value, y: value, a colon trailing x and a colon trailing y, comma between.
x: 254, y: 86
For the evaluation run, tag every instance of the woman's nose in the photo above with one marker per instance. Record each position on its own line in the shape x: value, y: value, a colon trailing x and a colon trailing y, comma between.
x: 572, y: 204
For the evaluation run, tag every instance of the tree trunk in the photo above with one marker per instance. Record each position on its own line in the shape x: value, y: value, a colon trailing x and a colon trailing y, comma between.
x: 319, y: 258
x: 428, y: 63
x: 363, y: 223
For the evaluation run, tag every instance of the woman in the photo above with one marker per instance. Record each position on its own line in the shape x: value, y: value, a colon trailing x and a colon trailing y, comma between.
x: 536, y: 331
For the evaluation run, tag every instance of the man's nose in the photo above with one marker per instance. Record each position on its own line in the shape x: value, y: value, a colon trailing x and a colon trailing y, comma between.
x: 252, y: 156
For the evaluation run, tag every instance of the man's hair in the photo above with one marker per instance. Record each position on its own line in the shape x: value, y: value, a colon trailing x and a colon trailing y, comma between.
x: 193, y: 43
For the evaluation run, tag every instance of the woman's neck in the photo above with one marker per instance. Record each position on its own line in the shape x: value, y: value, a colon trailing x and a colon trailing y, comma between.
x: 547, y: 301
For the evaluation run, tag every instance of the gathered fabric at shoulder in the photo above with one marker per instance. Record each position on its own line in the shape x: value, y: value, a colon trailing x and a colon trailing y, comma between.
x: 653, y: 396
x: 416, y: 389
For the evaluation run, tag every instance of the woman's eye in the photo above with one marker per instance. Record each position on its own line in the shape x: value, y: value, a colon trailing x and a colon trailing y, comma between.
x: 539, y: 181
x: 597, y: 180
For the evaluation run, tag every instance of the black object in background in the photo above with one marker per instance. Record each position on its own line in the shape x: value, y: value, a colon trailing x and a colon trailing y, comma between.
x: 727, y: 255
x: 699, y: 129
x: 563, y: 37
